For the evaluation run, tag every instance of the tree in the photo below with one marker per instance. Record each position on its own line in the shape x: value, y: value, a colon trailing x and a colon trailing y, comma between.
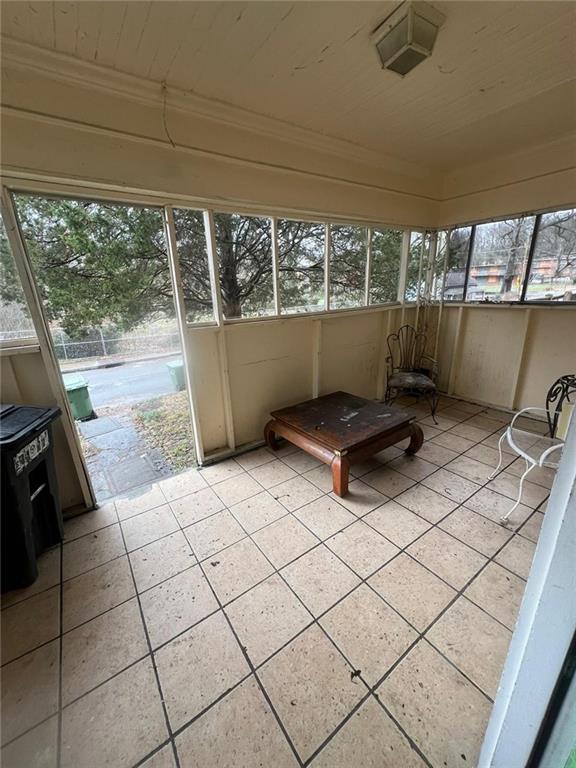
x: 103, y: 263
x: 386, y: 253
x: 96, y: 262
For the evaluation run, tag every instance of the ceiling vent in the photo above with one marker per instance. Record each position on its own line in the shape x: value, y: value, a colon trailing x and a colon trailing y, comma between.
x: 407, y: 36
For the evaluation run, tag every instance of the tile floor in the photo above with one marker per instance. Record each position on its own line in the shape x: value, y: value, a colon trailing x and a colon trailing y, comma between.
x: 242, y: 615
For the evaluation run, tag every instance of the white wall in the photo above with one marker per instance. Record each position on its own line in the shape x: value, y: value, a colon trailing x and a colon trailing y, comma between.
x: 63, y: 123
x: 262, y: 366
x: 506, y: 355
x: 539, y: 178
x: 23, y: 379
x: 70, y: 124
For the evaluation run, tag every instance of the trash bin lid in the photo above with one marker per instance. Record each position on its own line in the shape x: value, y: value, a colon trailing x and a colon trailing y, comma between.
x: 74, y: 381
x: 175, y: 364
x: 18, y: 421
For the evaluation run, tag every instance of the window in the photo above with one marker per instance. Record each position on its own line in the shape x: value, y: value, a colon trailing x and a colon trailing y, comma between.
x: 458, y: 248
x: 300, y: 266
x: 419, y: 247
x: 553, y: 269
x: 386, y: 252
x: 193, y: 258
x: 347, y: 266
x: 103, y: 275
x: 437, y: 276
x: 15, y: 321
x: 244, y: 248
x: 499, y: 256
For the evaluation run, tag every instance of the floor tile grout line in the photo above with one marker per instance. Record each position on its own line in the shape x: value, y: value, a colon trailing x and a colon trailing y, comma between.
x: 396, y: 722
x: 300, y: 474
x: 316, y: 621
x: 155, y: 751
x: 181, y: 728
x: 242, y: 648
x: 402, y: 549
x: 182, y: 528
x: 322, y: 541
x: 459, y: 592
x: 276, y: 570
x: 60, y: 664
x: 153, y: 661
x: 127, y: 600
x: 531, y: 515
x: 250, y: 665
x: 29, y: 730
x: 116, y: 674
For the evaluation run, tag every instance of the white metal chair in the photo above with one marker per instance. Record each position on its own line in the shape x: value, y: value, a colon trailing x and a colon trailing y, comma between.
x: 539, y: 450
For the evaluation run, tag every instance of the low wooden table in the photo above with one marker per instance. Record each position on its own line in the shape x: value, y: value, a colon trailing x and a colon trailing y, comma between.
x: 341, y: 429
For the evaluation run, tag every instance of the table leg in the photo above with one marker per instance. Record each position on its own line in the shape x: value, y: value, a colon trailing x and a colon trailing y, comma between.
x: 340, y: 471
x: 416, y: 439
x: 269, y: 436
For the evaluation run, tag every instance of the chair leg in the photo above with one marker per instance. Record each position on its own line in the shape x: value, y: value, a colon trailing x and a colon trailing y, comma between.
x: 434, y: 405
x: 504, y: 519
x: 389, y: 398
x: 500, y: 457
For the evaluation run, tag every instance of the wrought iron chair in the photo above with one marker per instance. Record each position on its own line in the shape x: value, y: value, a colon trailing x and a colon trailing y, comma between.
x: 410, y: 370
x: 536, y: 449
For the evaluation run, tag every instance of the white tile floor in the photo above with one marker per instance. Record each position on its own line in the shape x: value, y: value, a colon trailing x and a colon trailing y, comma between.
x: 242, y: 615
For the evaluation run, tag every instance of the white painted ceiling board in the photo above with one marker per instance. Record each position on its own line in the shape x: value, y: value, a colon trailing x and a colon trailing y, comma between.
x: 311, y: 64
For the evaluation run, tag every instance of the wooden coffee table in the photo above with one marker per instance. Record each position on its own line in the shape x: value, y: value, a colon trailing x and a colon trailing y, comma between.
x: 341, y: 429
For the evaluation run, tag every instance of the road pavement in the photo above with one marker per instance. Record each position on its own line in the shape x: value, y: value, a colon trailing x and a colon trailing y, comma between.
x: 129, y: 383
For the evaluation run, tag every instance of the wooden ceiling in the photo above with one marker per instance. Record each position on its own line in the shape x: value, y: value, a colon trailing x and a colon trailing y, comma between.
x: 502, y: 76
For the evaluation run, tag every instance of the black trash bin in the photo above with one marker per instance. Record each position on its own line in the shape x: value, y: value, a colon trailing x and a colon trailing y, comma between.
x: 31, y: 512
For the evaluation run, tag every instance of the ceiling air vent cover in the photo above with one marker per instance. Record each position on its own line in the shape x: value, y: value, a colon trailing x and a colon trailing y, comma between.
x: 407, y: 36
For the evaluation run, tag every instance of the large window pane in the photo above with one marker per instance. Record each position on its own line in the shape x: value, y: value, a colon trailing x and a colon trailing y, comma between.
x: 458, y: 247
x: 300, y: 266
x: 244, y: 248
x: 553, y: 269
x: 499, y: 258
x: 347, y: 266
x: 417, y: 241
x: 103, y: 275
x: 193, y: 257
x: 15, y: 321
x: 438, y: 269
x: 386, y: 252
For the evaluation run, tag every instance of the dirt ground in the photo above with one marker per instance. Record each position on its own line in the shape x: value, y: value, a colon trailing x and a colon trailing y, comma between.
x: 164, y: 422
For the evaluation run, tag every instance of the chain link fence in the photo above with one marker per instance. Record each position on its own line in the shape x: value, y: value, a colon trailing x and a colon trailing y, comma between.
x: 106, y: 343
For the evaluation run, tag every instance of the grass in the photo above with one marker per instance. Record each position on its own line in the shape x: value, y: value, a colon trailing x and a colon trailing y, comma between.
x: 164, y: 423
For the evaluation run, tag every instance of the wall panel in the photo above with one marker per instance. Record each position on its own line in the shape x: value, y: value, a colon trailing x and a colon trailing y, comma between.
x: 270, y: 366
x: 23, y: 380
x: 506, y: 356
x: 202, y: 349
x: 550, y: 352
x: 350, y: 346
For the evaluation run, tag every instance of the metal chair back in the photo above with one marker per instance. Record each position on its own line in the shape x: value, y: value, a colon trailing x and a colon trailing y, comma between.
x: 406, y: 348
x: 563, y: 390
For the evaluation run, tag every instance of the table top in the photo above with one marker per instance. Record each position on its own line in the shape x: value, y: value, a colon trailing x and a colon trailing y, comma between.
x: 342, y: 421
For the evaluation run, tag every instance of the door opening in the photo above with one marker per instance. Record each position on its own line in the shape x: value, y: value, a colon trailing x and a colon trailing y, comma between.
x: 103, y: 273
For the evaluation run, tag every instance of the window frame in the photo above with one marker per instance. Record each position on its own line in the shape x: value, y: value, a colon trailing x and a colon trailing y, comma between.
x: 521, y: 300
x: 164, y: 201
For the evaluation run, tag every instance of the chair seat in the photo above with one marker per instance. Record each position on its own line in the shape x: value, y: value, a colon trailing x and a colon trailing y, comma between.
x: 532, y: 446
x: 411, y: 380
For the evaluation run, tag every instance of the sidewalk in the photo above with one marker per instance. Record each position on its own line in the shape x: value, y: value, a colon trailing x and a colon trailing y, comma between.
x: 112, y: 361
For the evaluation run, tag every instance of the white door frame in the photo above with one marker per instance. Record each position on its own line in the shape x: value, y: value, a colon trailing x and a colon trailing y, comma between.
x: 46, y: 344
x: 544, y: 629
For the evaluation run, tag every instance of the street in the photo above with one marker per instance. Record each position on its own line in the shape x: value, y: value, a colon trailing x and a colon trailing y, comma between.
x: 129, y: 383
